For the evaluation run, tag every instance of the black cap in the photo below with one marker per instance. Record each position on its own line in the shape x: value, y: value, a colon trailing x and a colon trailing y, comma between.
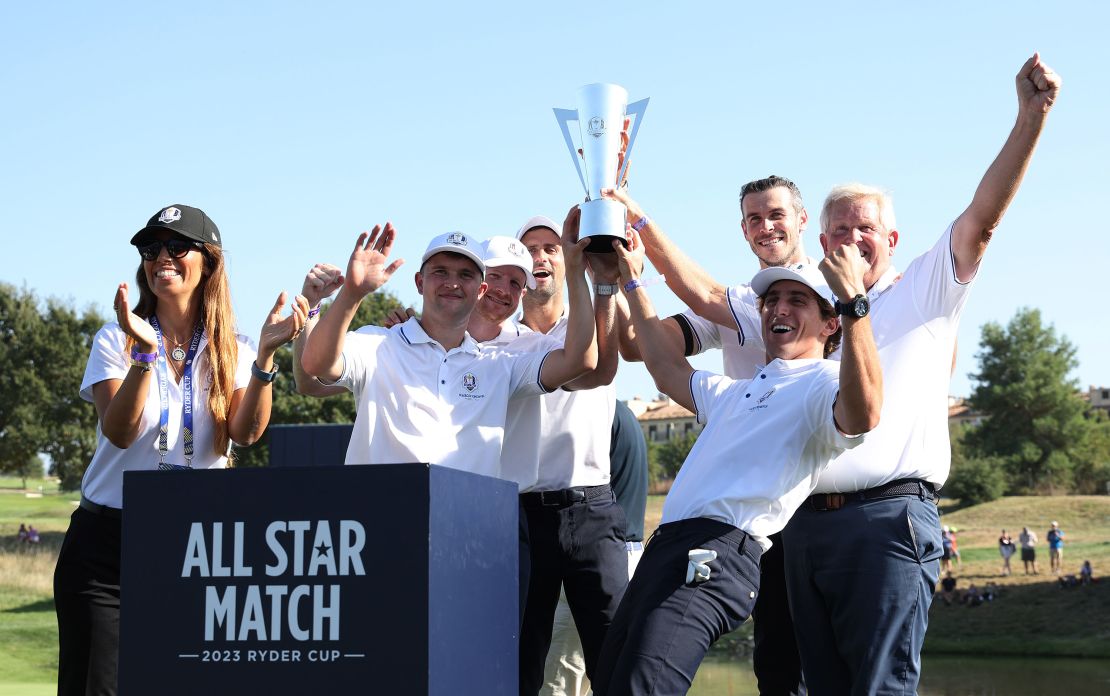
x: 185, y: 221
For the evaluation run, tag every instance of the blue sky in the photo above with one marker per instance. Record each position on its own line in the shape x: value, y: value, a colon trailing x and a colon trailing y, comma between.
x: 297, y: 125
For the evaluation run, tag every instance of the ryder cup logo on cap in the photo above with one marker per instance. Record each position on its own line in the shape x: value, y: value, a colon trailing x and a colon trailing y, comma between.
x: 804, y: 273
x: 170, y: 215
x: 506, y: 251
x: 455, y: 243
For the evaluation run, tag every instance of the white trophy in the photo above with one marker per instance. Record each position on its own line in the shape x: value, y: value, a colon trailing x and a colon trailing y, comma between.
x: 601, y: 111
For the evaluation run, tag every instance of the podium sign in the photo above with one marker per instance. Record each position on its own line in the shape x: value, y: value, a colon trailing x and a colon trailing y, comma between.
x: 387, y: 579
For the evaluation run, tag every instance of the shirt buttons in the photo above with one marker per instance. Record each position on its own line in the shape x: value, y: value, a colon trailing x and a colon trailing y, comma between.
x: 443, y: 381
x: 747, y: 396
x: 763, y: 376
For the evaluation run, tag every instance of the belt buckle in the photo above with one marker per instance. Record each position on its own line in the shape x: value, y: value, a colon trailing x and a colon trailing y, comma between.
x: 555, y: 501
x: 577, y: 495
x: 830, y: 502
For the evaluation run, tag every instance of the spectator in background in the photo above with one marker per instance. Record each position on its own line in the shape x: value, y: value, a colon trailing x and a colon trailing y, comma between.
x: 1028, y: 540
x: 1006, y: 548
x: 1086, y: 575
x: 32, y: 535
x: 948, y: 588
x: 22, y: 535
x: 1055, y: 539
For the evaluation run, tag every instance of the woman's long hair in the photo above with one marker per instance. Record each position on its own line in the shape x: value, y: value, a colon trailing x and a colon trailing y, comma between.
x: 218, y: 319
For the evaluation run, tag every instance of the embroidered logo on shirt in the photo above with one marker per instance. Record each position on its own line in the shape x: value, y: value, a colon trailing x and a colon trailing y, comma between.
x: 470, y: 381
x: 766, y: 396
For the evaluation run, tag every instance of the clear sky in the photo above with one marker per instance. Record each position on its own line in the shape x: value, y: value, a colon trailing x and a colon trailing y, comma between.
x: 297, y: 125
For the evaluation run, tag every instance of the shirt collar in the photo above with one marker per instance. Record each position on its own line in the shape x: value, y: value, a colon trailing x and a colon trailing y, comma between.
x: 413, y: 332
x: 884, y: 283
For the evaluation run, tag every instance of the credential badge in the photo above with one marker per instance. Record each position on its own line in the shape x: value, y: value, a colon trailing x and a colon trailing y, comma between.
x: 170, y: 215
x: 470, y: 381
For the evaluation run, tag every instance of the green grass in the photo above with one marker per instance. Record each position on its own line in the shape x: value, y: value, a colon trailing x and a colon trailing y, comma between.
x: 1032, y: 614
x: 28, y: 627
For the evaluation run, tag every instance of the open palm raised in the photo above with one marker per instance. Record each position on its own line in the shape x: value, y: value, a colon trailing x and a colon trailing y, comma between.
x: 369, y: 267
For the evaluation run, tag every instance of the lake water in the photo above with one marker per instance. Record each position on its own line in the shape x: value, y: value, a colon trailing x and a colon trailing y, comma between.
x: 948, y: 676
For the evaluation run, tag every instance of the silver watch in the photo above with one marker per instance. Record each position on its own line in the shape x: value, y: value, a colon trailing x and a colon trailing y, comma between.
x: 604, y: 289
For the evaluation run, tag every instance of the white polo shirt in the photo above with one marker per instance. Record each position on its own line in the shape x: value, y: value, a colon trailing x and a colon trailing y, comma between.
x: 103, y: 479
x: 420, y: 403
x: 742, y: 348
x: 915, y: 320
x: 765, y: 442
x: 560, y: 440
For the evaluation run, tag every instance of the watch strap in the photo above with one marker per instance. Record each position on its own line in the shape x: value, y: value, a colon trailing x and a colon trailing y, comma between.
x: 263, y: 375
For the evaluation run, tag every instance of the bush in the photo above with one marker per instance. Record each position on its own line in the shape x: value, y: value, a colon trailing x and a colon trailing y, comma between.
x: 976, y: 480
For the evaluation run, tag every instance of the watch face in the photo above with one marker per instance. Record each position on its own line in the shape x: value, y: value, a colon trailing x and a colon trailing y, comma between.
x: 860, y: 307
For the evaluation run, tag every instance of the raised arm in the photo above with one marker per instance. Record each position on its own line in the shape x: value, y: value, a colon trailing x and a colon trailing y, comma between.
x: 603, y: 270
x: 319, y: 283
x: 861, y: 379
x: 1037, y: 88
x: 689, y: 281
x: 579, y: 352
x: 120, y: 403
x: 367, y: 270
x: 668, y: 368
x: 250, y: 407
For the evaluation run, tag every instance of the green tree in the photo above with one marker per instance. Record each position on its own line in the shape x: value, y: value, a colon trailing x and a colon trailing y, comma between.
x: 23, y: 388
x: 290, y: 407
x: 666, y: 458
x: 973, y: 479
x: 1034, y: 420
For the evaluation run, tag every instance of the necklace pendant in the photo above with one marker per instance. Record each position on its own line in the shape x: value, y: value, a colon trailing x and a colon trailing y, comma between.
x: 178, y: 354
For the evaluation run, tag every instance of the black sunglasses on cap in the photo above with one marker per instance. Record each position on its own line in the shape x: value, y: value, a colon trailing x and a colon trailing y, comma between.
x: 175, y: 247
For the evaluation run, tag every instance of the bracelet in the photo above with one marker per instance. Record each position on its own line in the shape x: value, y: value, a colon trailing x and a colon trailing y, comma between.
x: 641, y: 223
x: 315, y: 310
x: 633, y: 284
x: 267, y: 377
x: 146, y: 358
x: 141, y: 364
x: 606, y: 289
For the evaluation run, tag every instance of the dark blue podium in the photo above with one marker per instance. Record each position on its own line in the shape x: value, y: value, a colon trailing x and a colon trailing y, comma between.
x: 386, y: 579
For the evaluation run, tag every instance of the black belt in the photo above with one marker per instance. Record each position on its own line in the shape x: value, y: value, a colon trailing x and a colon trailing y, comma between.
x: 564, y: 497
x: 822, y: 502
x: 102, y: 510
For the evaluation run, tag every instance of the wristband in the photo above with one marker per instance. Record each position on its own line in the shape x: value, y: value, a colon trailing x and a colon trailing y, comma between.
x: 606, y: 289
x: 640, y: 224
x: 633, y: 284
x: 267, y: 377
x: 315, y: 310
x: 141, y: 364
x: 145, y: 358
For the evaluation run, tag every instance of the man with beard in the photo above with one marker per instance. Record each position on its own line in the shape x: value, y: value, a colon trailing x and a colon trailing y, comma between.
x: 561, y: 443
x: 773, y: 219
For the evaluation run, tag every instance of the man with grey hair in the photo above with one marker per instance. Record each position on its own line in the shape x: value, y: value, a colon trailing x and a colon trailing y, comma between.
x: 862, y: 554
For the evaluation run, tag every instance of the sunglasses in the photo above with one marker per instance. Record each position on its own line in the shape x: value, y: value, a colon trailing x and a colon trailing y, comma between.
x: 175, y: 247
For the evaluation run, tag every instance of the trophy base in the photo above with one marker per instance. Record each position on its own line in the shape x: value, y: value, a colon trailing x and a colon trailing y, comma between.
x: 603, y: 220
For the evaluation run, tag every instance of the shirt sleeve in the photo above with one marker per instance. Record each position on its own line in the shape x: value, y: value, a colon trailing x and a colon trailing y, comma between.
x: 707, y: 390
x: 107, y: 359
x: 821, y: 399
x: 524, y: 372
x: 360, y: 357
x: 744, y: 305
x: 707, y: 335
x: 936, y: 290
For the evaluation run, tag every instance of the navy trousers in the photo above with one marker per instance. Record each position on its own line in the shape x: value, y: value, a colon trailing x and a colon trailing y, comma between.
x: 580, y: 547
x: 664, y: 626
x: 860, y: 583
x: 778, y: 669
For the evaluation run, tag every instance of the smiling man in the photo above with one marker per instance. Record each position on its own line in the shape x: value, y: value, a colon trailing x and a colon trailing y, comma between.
x: 426, y: 390
x: 765, y: 441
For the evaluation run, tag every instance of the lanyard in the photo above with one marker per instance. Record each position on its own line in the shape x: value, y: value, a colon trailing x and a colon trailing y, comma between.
x: 164, y: 398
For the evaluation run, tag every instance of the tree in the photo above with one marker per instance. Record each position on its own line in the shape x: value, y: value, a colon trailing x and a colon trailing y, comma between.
x: 973, y: 479
x: 1034, y: 420
x: 666, y: 458
x: 291, y: 407
x: 23, y: 389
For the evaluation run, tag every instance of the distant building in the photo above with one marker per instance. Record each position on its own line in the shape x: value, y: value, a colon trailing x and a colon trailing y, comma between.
x: 960, y: 413
x: 663, y: 419
x: 1099, y: 397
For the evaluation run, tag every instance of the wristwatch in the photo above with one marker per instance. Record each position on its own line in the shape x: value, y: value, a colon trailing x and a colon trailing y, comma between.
x: 263, y: 375
x: 605, y: 289
x: 856, y: 308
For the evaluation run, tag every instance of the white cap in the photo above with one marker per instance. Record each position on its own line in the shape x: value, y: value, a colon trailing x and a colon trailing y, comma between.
x: 538, y: 221
x: 803, y: 273
x: 457, y: 243
x: 506, y: 251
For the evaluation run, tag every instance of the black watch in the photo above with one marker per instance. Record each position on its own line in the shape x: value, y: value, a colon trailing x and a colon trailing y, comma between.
x: 267, y: 377
x: 856, y: 308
